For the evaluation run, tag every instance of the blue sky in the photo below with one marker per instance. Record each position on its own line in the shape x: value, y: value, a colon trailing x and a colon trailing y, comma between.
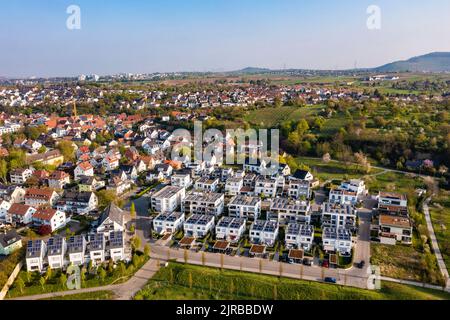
x: 140, y: 36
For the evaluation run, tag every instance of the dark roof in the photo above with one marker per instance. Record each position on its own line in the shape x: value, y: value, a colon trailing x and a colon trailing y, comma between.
x: 112, y: 212
x: 300, y: 174
x: 6, y: 239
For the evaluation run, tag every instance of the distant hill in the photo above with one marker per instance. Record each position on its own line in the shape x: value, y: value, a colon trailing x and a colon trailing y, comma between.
x: 432, y: 62
x: 251, y: 70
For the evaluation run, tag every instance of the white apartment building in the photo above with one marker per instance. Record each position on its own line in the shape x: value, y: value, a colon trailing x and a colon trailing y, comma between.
x: 116, y: 246
x: 299, y: 236
x: 181, y: 180
x: 20, y: 176
x: 287, y: 211
x: 168, y: 222
x: 340, y: 196
x: 264, y: 232
x: 337, y: 240
x: 35, y: 255
x: 56, y: 250
x: 334, y: 215
x: 266, y: 186
x: 230, y: 229
x: 97, y: 246
x: 198, y: 225
x: 299, y: 188
x: 234, y: 185
x: 55, y: 219
x: 203, y: 203
x: 246, y: 207
x: 206, y: 184
x: 76, y: 249
x: 392, y: 199
x: 167, y: 199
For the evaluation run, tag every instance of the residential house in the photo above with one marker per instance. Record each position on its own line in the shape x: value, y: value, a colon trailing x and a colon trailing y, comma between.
x: 111, y: 220
x: 90, y: 184
x: 35, y: 255
x: 4, y: 207
x: 96, y: 248
x: 40, y: 197
x: 286, y: 211
x: 266, y: 186
x: 83, y: 169
x: 299, y: 236
x: 234, y: 185
x: 395, y: 228
x: 203, y: 203
x: 264, y: 232
x: 167, y: 199
x: 116, y: 246
x: 168, y: 222
x: 206, y: 184
x: 340, y: 196
x: 230, y: 229
x: 246, y: 207
x: 10, y: 242
x: 76, y: 249
x: 181, y: 180
x: 20, y: 176
x: 110, y: 163
x: 54, y: 219
x: 78, y: 202
x: 337, y: 240
x: 56, y: 251
x: 334, y: 215
x: 58, y: 179
x: 299, y: 189
x: 20, y: 214
x: 198, y: 225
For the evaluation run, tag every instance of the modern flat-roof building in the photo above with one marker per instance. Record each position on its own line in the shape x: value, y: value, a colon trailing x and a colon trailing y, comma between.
x: 97, y: 248
x: 264, y: 232
x: 299, y: 236
x: 203, y: 203
x: 207, y: 184
x: 198, y: 225
x: 246, y: 207
x: 266, y: 186
x: 234, y: 185
x: 76, y: 249
x: 337, y: 240
x: 167, y: 199
x: 168, y: 222
x: 230, y: 229
x: 116, y: 246
x: 395, y: 228
x: 334, y: 215
x: 392, y: 199
x: 286, y: 211
x: 35, y: 255
x: 56, y: 250
x: 181, y: 180
x: 299, y: 189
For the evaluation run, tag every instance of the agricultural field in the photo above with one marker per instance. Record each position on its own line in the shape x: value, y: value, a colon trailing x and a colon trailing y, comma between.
x: 181, y: 282
x: 273, y: 117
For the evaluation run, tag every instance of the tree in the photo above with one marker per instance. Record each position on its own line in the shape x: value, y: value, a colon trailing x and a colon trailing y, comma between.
x: 20, y: 284
x: 48, y: 274
x: 102, y: 274
x: 67, y: 150
x: 105, y: 198
x: 122, y: 269
x: 132, y: 211
x: 42, y: 282
x: 63, y: 280
x: 363, y: 162
x: 147, y: 250
x: 3, y: 170
x: 136, y: 243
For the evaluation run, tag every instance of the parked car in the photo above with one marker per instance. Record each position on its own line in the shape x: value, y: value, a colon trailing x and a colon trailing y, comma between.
x: 361, y: 264
x: 325, y: 264
x: 307, y: 262
x: 330, y: 280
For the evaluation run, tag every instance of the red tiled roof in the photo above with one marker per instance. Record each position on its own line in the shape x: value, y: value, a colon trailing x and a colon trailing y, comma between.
x: 18, y: 209
x: 44, y: 214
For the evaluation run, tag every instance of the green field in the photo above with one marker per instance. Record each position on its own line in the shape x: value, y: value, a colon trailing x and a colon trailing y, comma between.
x: 96, y: 295
x: 440, y: 217
x: 272, y: 117
x: 181, y: 282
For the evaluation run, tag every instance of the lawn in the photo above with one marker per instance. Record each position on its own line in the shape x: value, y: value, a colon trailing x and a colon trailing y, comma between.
x: 272, y: 117
x: 97, y: 295
x: 440, y: 217
x: 32, y: 284
x: 403, y: 262
x: 181, y: 282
